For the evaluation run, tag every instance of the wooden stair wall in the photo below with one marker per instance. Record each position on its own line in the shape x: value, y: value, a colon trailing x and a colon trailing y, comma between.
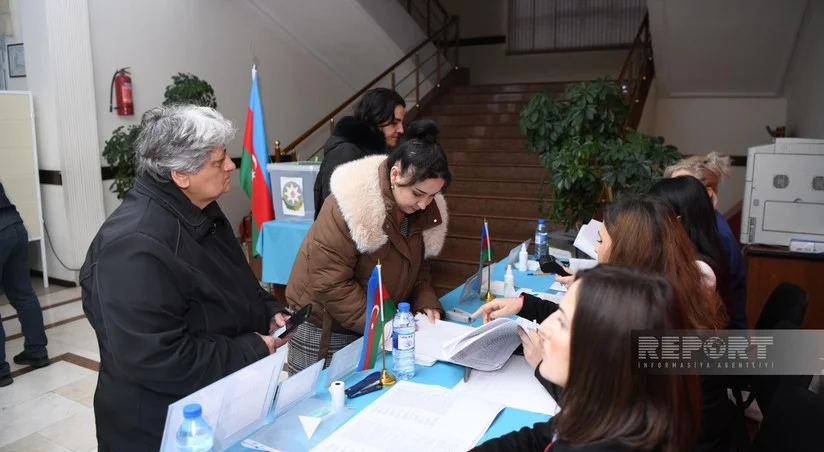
x: 493, y: 176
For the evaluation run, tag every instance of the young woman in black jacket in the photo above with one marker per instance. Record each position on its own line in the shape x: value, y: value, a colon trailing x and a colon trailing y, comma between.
x: 587, y: 350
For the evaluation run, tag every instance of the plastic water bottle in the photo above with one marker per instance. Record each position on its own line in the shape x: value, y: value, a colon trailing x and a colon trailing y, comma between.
x: 403, y: 342
x: 540, y: 240
x: 194, y: 434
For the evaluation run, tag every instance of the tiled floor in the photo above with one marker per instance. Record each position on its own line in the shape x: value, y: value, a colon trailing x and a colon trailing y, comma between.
x: 50, y: 409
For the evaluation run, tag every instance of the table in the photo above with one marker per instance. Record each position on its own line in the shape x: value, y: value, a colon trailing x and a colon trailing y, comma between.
x: 768, y: 266
x: 446, y: 374
x: 279, y: 242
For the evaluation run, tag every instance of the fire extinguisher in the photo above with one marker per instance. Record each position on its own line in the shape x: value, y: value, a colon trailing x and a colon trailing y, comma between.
x: 121, y: 89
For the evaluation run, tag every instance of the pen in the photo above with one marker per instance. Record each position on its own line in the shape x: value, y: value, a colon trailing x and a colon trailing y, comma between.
x: 539, y: 274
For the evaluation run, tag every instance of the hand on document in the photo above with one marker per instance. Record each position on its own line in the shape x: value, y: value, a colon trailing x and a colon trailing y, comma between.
x: 499, y: 308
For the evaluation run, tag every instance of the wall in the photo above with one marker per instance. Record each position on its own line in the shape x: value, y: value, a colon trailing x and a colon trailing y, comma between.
x: 803, y: 88
x: 726, y: 125
x: 215, y: 40
x: 490, y: 64
x: 17, y: 83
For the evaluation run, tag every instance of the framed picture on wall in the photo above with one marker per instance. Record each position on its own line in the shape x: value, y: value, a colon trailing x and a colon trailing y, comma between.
x: 17, y: 60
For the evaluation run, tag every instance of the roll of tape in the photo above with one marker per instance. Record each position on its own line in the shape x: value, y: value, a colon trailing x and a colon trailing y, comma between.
x: 336, y: 390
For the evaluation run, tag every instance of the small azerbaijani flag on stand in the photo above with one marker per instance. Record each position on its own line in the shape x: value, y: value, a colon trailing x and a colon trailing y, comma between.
x: 253, y: 177
x: 486, y: 254
x: 376, y: 296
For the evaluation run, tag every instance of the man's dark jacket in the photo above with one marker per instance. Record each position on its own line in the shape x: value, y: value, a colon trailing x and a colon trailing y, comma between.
x: 351, y: 140
x: 174, y: 305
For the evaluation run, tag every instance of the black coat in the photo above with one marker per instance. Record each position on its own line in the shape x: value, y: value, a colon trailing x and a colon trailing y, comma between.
x: 174, y: 305
x: 351, y: 140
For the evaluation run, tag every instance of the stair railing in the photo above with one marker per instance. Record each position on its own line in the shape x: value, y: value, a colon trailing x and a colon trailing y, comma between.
x: 637, y: 73
x: 444, y: 41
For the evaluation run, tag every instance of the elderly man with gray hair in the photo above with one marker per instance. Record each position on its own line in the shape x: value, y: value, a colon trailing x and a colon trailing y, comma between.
x: 165, y: 284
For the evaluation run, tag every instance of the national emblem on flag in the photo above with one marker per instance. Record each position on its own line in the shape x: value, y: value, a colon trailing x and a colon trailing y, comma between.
x: 376, y: 296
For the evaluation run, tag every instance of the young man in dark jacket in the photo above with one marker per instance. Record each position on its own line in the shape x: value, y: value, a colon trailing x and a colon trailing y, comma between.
x: 16, y: 284
x: 165, y: 284
x: 375, y: 127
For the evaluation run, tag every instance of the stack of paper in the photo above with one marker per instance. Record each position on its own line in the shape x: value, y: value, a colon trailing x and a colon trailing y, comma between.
x: 587, y: 238
x: 415, y: 417
x: 514, y: 385
x: 486, y: 347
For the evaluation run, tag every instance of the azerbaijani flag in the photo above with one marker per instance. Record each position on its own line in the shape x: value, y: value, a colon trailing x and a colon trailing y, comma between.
x: 253, y: 177
x: 486, y: 254
x: 486, y: 245
x: 376, y: 296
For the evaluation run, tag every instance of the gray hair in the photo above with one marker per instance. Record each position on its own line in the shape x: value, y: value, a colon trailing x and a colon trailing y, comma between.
x: 179, y: 138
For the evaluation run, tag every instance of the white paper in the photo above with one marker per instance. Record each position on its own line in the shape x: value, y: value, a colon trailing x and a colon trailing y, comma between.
x: 558, y: 287
x: 587, y: 238
x: 344, y: 362
x: 485, y: 348
x: 582, y: 264
x: 292, y: 196
x: 309, y: 424
x: 413, y: 417
x: 513, y: 385
x: 527, y: 325
x: 298, y: 387
x: 429, y: 338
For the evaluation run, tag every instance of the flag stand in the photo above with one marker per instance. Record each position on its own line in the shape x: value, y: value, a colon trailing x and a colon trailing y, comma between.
x: 387, y: 379
x: 488, y: 296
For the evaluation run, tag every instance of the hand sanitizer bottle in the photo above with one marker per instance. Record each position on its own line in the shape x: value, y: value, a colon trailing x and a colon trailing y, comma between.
x: 509, y: 283
x: 523, y: 257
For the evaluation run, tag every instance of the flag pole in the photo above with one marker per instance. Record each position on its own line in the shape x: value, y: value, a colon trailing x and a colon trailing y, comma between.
x: 387, y: 379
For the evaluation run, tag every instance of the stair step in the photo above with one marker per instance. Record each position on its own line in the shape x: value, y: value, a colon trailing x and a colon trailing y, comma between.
x: 500, y: 187
x: 456, y: 268
x: 485, y: 171
x: 505, y: 131
x: 446, y: 121
x: 484, y: 204
x: 488, y: 108
x: 463, y: 144
x: 486, y: 98
x: 493, y: 157
x: 511, y: 88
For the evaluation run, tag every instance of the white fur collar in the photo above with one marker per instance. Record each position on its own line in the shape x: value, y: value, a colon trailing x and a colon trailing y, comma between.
x: 358, y: 193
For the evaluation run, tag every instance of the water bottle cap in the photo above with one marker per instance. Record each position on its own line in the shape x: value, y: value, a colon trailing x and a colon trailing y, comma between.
x: 192, y: 411
x: 403, y: 307
x: 541, y: 221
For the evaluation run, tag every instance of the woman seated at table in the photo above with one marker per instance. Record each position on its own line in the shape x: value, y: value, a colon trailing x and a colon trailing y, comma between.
x: 644, y: 233
x: 688, y: 198
x: 381, y: 208
x: 586, y: 348
x: 709, y: 170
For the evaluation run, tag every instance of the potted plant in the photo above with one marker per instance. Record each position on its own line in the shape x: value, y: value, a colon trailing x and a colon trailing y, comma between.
x: 119, y: 149
x: 590, y: 156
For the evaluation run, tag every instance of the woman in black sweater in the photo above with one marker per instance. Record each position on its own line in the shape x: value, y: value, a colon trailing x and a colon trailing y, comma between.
x: 586, y: 348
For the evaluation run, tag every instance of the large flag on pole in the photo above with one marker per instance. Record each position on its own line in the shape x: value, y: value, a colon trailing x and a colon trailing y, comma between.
x: 486, y: 253
x: 253, y: 175
x: 376, y: 295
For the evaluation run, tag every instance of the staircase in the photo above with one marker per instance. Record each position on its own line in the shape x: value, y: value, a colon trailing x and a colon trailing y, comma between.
x: 493, y: 176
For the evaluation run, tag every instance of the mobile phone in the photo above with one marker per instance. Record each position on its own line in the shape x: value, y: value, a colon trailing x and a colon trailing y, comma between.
x: 551, y: 265
x: 295, y: 320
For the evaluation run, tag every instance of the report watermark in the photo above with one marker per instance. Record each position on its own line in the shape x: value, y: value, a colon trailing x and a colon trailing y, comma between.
x: 728, y: 352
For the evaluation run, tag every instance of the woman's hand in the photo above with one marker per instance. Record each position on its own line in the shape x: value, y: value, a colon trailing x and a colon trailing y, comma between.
x: 432, y: 314
x: 278, y: 321
x: 533, y: 346
x: 499, y: 307
x: 566, y: 280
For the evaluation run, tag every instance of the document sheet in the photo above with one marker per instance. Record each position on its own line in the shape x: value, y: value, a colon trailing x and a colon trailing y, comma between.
x: 429, y: 338
x: 487, y: 347
x: 513, y: 385
x: 415, y: 417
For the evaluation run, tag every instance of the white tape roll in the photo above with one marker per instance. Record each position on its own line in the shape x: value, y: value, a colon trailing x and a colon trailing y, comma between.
x: 336, y: 390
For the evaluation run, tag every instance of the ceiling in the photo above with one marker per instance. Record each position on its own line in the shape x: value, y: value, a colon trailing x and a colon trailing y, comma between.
x: 729, y: 48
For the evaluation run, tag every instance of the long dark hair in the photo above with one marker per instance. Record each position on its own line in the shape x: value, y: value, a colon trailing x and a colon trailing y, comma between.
x: 604, y: 399
x: 688, y: 198
x: 646, y: 235
x: 420, y: 155
x: 377, y: 107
